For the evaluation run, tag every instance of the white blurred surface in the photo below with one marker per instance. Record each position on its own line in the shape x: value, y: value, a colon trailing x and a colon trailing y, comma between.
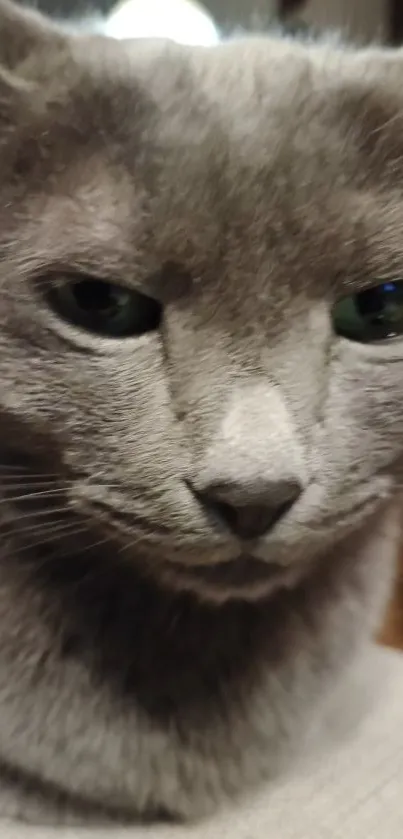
x: 180, y: 20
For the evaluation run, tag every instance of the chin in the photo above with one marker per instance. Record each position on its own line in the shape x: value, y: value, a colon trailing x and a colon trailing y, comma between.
x: 245, y: 579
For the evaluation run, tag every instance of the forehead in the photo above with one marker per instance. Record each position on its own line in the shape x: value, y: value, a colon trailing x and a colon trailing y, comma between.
x: 255, y: 106
x: 237, y: 122
x: 222, y: 156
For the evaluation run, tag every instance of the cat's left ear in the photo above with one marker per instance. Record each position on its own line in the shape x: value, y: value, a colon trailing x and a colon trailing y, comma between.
x: 369, y: 96
x: 25, y: 34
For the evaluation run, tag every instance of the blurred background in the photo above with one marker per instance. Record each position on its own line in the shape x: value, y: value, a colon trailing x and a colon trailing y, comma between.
x: 361, y: 19
x: 205, y: 23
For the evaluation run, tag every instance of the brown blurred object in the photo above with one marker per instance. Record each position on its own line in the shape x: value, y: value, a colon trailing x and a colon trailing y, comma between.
x: 392, y: 634
x: 396, y: 23
x: 361, y: 20
x: 287, y: 6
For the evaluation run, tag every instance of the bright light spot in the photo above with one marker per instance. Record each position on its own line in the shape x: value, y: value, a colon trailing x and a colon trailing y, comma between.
x: 179, y: 20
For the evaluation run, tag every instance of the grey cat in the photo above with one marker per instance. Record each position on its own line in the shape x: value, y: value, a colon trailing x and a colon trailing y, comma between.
x: 201, y: 370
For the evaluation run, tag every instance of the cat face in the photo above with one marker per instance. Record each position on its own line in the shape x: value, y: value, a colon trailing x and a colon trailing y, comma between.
x: 178, y: 227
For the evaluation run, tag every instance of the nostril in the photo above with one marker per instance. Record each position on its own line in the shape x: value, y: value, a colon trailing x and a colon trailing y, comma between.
x: 227, y: 513
x: 257, y: 515
x: 283, y: 509
x: 253, y: 521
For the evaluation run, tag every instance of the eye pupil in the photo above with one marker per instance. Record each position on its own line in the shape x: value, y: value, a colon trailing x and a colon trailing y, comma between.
x: 370, y: 303
x: 104, y: 308
x: 95, y: 295
x: 375, y: 314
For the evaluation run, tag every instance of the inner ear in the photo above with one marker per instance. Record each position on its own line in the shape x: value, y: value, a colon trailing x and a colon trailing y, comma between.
x: 23, y: 34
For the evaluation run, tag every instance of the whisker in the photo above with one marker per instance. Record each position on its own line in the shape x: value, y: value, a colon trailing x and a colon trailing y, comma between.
x: 27, y: 480
x: 92, y: 545
x: 128, y: 545
x: 88, y: 573
x: 38, y: 514
x: 31, y: 478
x: 49, y: 539
x: 25, y: 470
x: 32, y: 496
x: 41, y: 528
x: 13, y: 468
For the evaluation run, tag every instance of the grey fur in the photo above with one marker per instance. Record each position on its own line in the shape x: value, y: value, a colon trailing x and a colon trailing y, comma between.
x: 264, y: 178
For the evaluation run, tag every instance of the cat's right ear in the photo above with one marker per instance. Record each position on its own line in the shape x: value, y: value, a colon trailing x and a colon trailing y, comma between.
x: 28, y: 40
x: 24, y: 35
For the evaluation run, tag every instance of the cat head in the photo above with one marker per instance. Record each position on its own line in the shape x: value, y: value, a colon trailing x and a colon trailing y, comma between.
x: 201, y: 317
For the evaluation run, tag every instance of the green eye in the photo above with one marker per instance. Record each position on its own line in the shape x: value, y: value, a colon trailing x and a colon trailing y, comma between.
x: 372, y: 315
x: 104, y: 308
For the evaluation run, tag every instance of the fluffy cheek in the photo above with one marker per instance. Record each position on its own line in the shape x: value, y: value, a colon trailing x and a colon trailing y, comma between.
x: 357, y: 451
x: 356, y: 456
x: 363, y: 428
x: 105, y: 423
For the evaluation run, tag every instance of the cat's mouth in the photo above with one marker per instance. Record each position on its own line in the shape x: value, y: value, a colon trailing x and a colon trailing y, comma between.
x: 243, y: 578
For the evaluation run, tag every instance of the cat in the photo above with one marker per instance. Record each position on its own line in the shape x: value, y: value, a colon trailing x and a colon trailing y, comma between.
x: 201, y: 371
